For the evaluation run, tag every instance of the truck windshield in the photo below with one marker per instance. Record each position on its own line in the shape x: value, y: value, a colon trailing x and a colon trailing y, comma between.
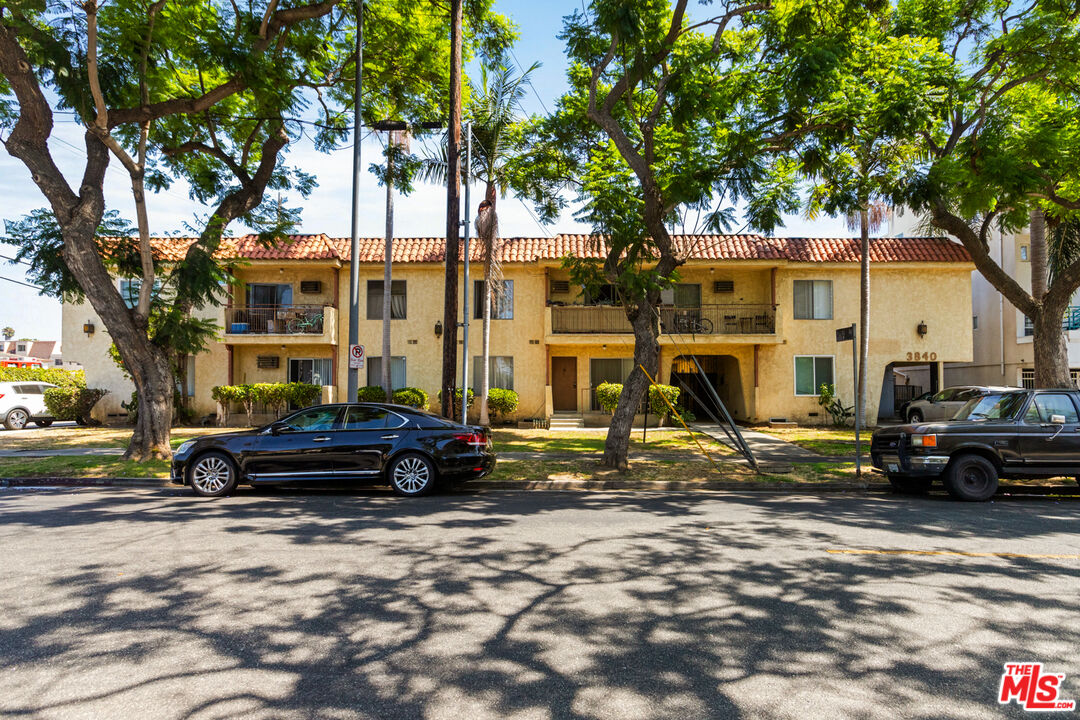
x: 996, y: 406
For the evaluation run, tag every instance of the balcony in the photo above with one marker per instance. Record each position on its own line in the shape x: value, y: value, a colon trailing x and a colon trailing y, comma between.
x: 281, y: 323
x: 706, y: 321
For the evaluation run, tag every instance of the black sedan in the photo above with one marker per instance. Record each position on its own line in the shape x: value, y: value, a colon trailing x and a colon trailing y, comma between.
x: 410, y: 449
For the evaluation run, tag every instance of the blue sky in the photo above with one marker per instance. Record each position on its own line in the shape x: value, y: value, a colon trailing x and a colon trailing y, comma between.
x: 328, y: 208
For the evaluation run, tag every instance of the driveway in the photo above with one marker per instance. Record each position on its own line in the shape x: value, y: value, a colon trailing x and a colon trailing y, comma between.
x: 282, y: 604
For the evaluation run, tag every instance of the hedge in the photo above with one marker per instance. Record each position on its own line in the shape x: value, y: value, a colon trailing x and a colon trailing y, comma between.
x: 501, y: 401
x: 371, y: 393
x: 607, y: 395
x: 275, y: 396
x: 56, y: 376
x: 72, y: 403
x: 657, y: 393
x: 413, y: 397
x: 457, y: 397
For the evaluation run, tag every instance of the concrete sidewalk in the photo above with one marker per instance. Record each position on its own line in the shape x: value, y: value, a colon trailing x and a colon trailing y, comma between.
x: 771, y: 449
x: 60, y: 452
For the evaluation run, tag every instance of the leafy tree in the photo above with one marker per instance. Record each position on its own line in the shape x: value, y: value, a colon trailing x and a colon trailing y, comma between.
x: 667, y: 116
x: 211, y: 92
x: 8, y: 332
x: 865, y: 143
x: 1006, y: 145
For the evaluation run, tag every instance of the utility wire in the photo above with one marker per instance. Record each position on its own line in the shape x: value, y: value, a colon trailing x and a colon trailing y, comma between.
x: 35, y: 287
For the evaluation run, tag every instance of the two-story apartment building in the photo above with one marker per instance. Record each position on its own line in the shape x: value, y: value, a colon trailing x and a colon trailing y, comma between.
x: 758, y: 314
x: 1002, y: 352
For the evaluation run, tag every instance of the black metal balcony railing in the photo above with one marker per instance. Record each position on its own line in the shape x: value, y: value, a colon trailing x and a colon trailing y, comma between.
x: 275, y: 320
x: 703, y: 320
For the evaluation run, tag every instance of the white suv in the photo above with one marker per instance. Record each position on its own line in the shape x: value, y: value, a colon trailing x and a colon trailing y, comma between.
x: 21, y: 402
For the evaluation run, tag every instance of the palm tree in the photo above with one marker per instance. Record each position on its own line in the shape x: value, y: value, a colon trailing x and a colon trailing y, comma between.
x: 493, y: 111
x: 868, y: 219
x: 9, y: 332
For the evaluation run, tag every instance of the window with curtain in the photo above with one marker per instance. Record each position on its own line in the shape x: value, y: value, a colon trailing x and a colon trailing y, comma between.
x: 612, y: 370
x: 397, y: 371
x: 269, y: 295
x: 813, y: 299
x: 688, y: 295
x: 502, y: 308
x: 375, y: 298
x: 316, y: 371
x: 811, y: 372
x: 500, y: 372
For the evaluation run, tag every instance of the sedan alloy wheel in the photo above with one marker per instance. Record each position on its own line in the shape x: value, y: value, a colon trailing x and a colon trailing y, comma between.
x: 213, y: 475
x: 16, y: 419
x: 412, y: 475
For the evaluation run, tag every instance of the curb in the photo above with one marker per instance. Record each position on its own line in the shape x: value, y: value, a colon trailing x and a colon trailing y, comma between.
x: 83, y: 482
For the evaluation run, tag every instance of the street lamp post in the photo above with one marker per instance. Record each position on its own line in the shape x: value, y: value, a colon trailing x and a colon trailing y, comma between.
x: 353, y: 383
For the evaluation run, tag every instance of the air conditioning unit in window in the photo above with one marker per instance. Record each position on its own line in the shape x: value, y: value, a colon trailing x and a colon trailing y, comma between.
x: 311, y: 287
x: 723, y: 286
x: 560, y: 287
x: 268, y: 362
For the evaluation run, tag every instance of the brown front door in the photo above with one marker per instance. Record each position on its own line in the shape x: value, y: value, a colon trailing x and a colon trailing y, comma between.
x: 564, y: 383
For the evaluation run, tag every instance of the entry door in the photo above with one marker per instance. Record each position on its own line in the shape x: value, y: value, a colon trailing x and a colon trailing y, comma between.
x: 1044, y: 444
x: 564, y: 383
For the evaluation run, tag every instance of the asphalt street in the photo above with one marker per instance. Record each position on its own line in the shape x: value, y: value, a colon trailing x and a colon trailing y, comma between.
x: 145, y: 603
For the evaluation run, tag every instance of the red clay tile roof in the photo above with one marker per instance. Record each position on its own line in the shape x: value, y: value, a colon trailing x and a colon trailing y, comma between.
x: 533, y: 249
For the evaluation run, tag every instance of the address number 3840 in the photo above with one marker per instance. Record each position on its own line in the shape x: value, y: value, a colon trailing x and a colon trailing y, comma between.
x: 931, y: 356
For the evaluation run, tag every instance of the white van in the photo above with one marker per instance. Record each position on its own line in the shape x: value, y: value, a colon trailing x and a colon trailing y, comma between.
x: 21, y: 402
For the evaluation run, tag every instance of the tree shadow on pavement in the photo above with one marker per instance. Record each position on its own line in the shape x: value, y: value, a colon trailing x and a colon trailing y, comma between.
x: 546, y: 605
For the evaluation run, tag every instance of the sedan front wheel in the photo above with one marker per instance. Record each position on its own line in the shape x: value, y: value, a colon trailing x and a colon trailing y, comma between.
x: 411, y: 475
x: 212, y: 475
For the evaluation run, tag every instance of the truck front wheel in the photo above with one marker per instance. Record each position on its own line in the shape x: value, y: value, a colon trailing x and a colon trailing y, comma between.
x: 971, y: 478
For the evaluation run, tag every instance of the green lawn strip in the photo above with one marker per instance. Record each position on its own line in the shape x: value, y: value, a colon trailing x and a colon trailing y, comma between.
x: 101, y: 437
x: 593, y: 442
x: 82, y: 467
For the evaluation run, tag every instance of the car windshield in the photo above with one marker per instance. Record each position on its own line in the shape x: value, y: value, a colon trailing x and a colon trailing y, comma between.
x: 995, y: 406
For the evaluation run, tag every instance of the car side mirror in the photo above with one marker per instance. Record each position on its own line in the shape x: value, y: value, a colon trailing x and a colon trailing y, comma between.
x: 278, y: 427
x: 1057, y: 419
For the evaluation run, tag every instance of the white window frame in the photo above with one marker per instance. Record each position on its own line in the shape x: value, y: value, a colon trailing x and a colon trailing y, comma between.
x: 817, y: 385
x: 813, y: 305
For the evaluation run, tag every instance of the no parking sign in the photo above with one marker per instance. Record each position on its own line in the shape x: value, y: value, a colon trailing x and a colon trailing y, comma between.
x: 356, y: 357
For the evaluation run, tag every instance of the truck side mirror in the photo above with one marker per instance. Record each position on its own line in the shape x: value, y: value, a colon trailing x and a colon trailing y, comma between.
x: 1057, y: 419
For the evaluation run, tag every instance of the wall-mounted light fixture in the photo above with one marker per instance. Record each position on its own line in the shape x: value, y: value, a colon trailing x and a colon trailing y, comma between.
x: 921, y: 329
x: 438, y: 329
x: 88, y: 328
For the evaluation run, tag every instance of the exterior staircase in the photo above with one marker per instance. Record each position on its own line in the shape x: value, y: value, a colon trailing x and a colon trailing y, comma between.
x: 566, y: 421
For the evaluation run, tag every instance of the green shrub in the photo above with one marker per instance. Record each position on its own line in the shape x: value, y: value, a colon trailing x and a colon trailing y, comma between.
x: 457, y: 397
x: 303, y: 394
x: 828, y: 400
x: 657, y: 393
x: 502, y: 402
x: 371, y: 393
x: 56, y: 376
x: 607, y: 395
x: 275, y: 396
x: 132, y: 407
x: 413, y: 397
x: 72, y: 403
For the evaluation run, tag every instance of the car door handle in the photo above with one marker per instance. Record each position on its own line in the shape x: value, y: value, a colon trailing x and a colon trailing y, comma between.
x: 388, y: 437
x: 321, y: 438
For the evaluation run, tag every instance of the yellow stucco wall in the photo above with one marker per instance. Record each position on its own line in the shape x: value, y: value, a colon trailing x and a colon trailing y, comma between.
x: 902, y: 296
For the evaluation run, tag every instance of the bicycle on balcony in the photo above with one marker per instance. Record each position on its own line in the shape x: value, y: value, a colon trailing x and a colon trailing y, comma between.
x: 691, y: 325
x: 305, y: 324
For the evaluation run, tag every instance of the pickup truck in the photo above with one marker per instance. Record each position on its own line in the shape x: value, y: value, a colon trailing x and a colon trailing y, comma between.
x: 1003, y: 434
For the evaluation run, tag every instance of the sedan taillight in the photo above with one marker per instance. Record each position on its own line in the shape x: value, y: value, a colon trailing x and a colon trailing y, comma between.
x: 474, y: 439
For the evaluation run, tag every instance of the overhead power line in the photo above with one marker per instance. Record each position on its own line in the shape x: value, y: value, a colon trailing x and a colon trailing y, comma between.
x: 17, y: 282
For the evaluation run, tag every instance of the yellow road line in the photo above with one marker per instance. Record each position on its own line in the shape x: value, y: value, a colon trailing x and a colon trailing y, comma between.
x: 953, y: 553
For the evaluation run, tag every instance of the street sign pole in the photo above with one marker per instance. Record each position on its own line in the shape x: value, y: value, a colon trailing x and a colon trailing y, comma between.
x: 849, y: 334
x: 858, y: 400
x: 353, y: 383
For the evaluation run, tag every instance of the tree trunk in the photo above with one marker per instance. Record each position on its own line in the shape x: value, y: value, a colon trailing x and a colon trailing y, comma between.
x: 1039, y: 255
x: 387, y: 258
x: 864, y: 312
x: 453, y: 215
x: 152, y: 373
x: 1051, y: 352
x: 643, y: 319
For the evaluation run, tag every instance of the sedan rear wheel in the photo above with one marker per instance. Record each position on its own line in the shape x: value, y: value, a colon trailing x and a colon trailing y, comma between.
x: 212, y: 475
x: 411, y: 475
x: 971, y: 478
x: 16, y: 419
x: 915, y: 417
